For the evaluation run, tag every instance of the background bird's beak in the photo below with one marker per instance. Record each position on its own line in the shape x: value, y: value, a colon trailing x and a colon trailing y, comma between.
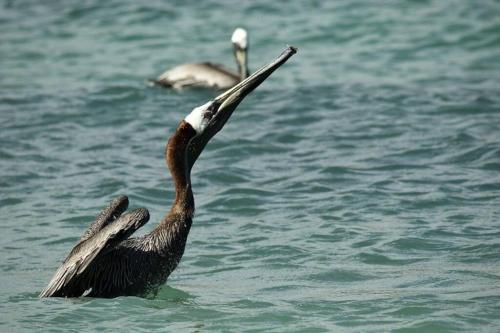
x: 229, y: 100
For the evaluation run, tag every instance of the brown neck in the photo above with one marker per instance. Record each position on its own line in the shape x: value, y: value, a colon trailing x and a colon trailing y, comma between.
x: 175, y: 155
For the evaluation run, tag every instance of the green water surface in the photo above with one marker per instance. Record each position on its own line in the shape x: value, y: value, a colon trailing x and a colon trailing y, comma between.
x: 357, y: 190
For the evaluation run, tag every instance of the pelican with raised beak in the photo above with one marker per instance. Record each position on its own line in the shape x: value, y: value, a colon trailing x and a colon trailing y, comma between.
x: 106, y: 262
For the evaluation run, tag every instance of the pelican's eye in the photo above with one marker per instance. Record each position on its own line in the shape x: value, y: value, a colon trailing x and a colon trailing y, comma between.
x: 200, y: 116
x: 210, y: 112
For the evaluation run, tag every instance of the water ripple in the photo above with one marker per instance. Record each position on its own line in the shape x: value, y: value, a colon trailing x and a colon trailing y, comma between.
x: 359, y: 185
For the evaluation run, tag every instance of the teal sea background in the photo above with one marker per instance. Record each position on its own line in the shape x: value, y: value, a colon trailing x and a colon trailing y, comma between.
x: 357, y: 190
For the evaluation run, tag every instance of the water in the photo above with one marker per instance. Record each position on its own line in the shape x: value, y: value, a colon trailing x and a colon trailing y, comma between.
x: 357, y: 190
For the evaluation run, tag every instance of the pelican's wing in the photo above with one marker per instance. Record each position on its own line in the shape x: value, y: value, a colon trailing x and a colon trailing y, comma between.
x: 207, y: 74
x: 110, y: 213
x: 181, y: 82
x: 190, y: 81
x: 85, y: 252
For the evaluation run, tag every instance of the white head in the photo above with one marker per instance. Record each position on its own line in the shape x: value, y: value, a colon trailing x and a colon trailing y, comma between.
x: 199, y: 117
x: 240, y: 38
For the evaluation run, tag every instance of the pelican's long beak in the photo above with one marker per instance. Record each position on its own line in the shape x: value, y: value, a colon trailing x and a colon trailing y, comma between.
x: 209, y: 119
x: 229, y: 100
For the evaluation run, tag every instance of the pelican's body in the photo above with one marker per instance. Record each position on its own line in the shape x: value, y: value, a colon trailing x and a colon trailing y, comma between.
x: 209, y: 75
x: 204, y: 75
x: 106, y: 262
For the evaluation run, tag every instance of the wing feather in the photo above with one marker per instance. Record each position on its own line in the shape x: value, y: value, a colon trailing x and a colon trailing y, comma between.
x: 207, y: 75
x: 86, y: 251
x: 110, y: 213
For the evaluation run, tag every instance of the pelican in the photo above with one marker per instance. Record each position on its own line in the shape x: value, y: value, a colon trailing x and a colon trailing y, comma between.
x: 208, y: 75
x: 105, y: 262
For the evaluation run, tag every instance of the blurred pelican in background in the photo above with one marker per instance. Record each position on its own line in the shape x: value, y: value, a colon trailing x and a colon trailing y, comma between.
x: 209, y: 75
